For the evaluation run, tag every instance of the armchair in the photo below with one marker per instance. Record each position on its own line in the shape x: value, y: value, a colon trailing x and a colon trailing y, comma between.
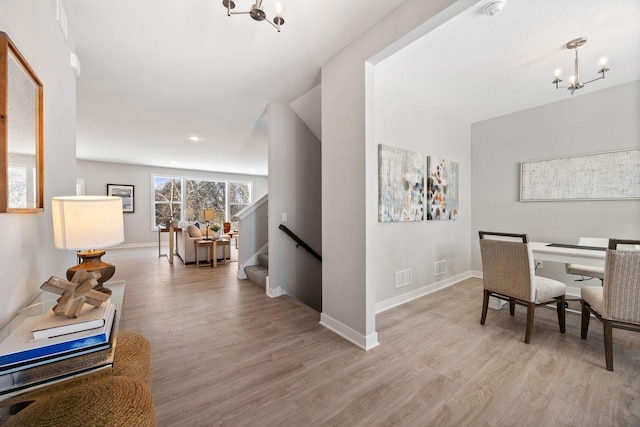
x: 509, y: 274
x: 615, y: 303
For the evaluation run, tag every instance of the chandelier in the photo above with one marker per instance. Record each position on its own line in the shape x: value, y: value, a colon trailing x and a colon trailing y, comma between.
x: 257, y: 13
x: 575, y: 79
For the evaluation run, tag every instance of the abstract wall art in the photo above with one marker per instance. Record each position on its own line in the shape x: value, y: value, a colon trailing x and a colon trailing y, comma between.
x: 613, y: 175
x: 400, y: 185
x: 442, y: 189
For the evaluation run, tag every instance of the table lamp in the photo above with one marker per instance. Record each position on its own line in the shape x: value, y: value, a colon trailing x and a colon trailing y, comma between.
x: 208, y: 215
x: 82, y: 222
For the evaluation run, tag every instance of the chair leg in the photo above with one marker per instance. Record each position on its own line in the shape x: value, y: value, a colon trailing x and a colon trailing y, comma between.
x: 560, y: 304
x: 512, y: 307
x: 586, y: 316
x: 531, y: 307
x: 608, y: 343
x: 485, y: 306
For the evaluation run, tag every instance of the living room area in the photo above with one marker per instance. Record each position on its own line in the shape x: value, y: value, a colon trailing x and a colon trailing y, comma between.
x: 228, y: 352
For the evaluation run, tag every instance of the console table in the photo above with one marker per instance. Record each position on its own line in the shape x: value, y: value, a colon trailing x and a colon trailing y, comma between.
x: 15, y: 381
x: 173, y: 237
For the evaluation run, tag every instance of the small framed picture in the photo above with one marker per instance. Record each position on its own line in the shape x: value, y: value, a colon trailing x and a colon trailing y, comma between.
x: 125, y: 192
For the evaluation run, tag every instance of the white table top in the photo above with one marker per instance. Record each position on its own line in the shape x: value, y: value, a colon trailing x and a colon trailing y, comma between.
x: 592, y: 257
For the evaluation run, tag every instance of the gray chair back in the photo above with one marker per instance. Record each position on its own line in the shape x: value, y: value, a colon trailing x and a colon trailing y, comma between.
x: 507, y: 266
x: 621, y: 293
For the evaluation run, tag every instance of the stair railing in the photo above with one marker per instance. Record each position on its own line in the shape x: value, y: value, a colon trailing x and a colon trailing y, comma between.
x: 300, y: 242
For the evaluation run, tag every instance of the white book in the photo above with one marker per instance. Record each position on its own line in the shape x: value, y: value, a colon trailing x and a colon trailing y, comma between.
x: 90, y: 317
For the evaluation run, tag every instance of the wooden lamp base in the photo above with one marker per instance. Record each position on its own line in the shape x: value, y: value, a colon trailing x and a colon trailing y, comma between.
x: 91, y: 261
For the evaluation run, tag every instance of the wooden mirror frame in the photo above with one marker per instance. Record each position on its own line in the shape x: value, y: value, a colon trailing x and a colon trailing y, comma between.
x: 35, y: 203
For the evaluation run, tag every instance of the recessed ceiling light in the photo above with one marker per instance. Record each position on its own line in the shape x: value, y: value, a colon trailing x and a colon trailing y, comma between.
x: 194, y: 138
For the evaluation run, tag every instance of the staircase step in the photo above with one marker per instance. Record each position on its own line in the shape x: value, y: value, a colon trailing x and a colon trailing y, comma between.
x: 263, y: 259
x: 257, y: 274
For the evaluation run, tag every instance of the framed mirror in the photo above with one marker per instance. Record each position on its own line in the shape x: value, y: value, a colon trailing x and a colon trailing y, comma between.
x: 21, y: 140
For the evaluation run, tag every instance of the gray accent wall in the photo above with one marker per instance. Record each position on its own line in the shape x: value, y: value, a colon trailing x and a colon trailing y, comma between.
x: 593, y: 122
x: 294, y: 191
x: 27, y: 253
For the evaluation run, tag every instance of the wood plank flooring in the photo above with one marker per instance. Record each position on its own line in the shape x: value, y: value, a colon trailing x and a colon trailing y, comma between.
x: 225, y: 354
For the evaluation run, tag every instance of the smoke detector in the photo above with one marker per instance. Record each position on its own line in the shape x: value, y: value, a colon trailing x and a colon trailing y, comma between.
x: 493, y: 8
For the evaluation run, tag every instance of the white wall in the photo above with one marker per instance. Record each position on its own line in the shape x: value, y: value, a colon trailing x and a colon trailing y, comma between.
x: 138, y: 225
x: 404, y: 121
x: 593, y: 122
x: 294, y: 189
x: 348, y: 300
x: 27, y: 254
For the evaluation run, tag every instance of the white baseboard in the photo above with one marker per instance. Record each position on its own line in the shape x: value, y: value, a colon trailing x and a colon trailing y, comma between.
x: 273, y: 292
x: 365, y: 342
x: 417, y: 293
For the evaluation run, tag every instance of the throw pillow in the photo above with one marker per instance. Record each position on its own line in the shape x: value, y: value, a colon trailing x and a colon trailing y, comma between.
x: 194, y: 231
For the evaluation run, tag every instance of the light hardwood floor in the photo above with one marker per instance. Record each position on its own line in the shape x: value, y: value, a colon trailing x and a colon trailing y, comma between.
x: 225, y: 354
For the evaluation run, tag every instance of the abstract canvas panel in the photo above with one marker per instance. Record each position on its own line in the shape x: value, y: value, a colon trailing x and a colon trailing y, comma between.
x: 442, y: 189
x: 612, y: 175
x: 400, y: 185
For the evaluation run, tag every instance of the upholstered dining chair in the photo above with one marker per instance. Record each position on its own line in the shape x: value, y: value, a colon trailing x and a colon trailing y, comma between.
x: 617, y: 302
x: 587, y: 272
x: 509, y: 274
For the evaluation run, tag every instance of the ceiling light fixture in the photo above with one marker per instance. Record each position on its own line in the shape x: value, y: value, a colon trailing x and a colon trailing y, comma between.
x: 493, y: 8
x: 257, y: 13
x: 575, y: 79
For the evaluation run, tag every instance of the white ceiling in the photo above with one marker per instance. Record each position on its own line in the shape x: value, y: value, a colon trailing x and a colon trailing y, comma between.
x: 478, y: 67
x: 155, y: 72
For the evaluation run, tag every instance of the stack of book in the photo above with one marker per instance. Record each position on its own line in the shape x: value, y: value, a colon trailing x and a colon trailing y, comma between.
x: 43, y: 339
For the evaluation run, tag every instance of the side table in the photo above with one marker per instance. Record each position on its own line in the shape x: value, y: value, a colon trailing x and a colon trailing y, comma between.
x: 219, y: 242
x: 210, y: 244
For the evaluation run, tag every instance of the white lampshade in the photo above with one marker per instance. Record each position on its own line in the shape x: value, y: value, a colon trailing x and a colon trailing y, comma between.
x: 87, y: 222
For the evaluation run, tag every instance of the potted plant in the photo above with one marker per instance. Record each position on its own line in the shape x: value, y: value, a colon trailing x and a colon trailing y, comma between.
x: 216, y: 230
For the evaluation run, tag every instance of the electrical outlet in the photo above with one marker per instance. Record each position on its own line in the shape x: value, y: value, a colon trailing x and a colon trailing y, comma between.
x: 284, y: 217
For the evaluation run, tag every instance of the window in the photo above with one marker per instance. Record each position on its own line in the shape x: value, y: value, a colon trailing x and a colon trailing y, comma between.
x: 21, y: 180
x: 187, y: 198
x: 239, y: 197
x: 201, y: 194
x: 167, y: 199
